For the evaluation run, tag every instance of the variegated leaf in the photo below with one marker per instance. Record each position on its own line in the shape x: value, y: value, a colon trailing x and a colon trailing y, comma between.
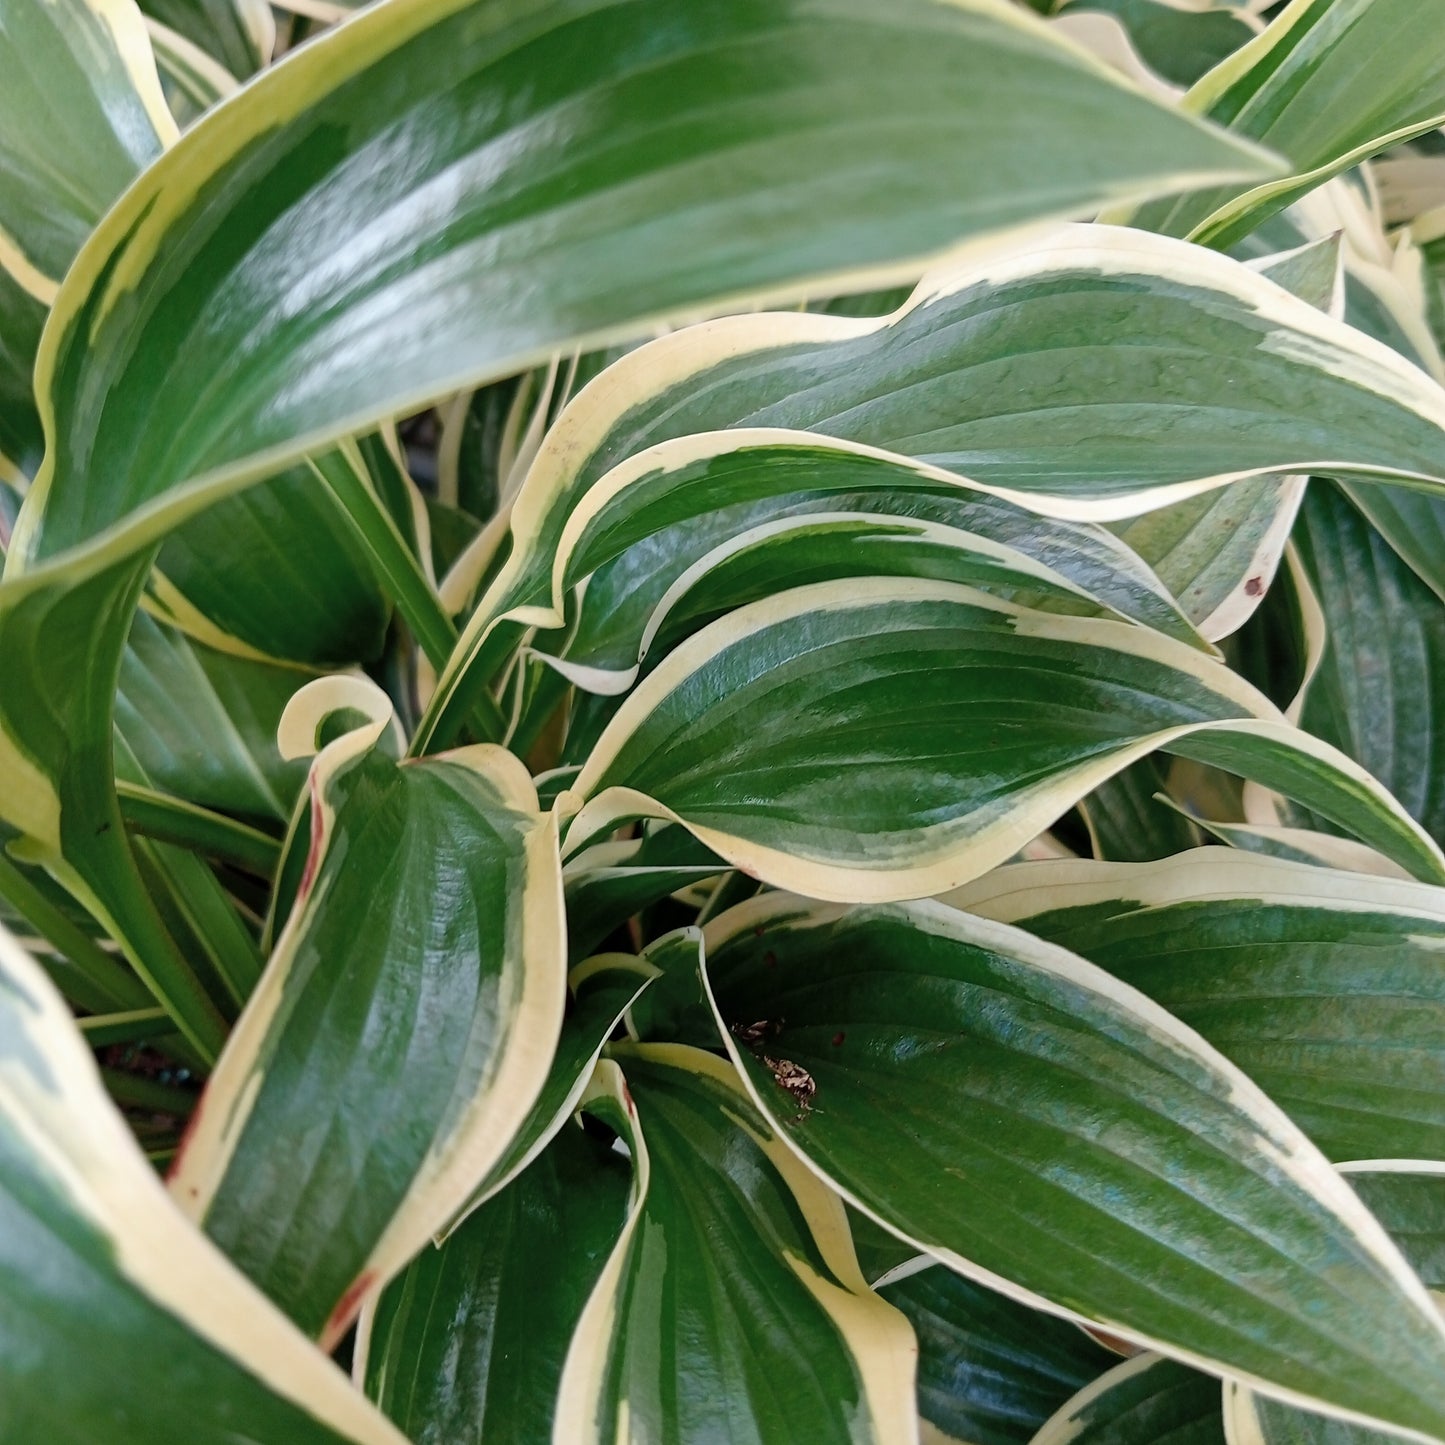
x: 1042, y: 1127
x: 402, y: 1031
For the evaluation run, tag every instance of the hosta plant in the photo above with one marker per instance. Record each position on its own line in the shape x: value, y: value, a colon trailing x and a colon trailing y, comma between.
x: 719, y: 722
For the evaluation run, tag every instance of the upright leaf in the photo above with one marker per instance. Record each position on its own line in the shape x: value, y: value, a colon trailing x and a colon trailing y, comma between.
x: 1329, y: 83
x: 468, y: 1344
x: 400, y: 1035
x: 733, y: 1307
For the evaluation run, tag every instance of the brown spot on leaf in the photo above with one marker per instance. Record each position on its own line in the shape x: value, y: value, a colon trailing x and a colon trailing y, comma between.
x: 1254, y: 587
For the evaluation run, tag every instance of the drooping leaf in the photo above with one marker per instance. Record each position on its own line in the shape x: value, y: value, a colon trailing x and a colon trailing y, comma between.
x: 1324, y: 987
x: 184, y: 362
x: 1218, y: 553
x: 990, y: 1370
x: 1148, y: 1400
x: 1042, y: 1127
x: 880, y: 739
x: 632, y: 229
x: 733, y: 1307
x: 118, y: 1321
x: 411, y: 1006
x: 994, y: 371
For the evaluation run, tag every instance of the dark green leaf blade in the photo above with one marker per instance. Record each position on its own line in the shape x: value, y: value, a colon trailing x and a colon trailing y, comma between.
x: 1056, y: 1134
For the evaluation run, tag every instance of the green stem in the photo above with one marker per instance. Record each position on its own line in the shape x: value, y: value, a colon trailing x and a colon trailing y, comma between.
x: 100, y: 981
x: 130, y: 1027
x: 151, y: 814
x: 400, y: 573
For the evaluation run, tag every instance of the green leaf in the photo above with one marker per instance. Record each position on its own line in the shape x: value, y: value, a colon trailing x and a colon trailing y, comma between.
x: 1043, y: 1128
x: 1373, y: 692
x: 22, y: 441
x: 990, y: 1370
x: 878, y: 738
x: 277, y: 571
x: 56, y: 758
x: 1217, y: 553
x: 733, y: 1307
x: 238, y: 34
x: 1324, y: 987
x: 551, y: 211
x: 1180, y: 42
x: 609, y: 883
x: 1145, y: 1401
x: 201, y: 724
x: 81, y: 113
x: 1329, y: 83
x: 1408, y: 1198
x: 1129, y: 822
x: 412, y: 1003
x: 119, y: 1322
x: 467, y: 1345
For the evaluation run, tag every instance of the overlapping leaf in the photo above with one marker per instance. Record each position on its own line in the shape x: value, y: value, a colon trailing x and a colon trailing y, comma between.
x: 1148, y: 1400
x: 1324, y: 987
x: 1408, y: 1197
x: 991, y: 1371
x: 1329, y: 83
x: 1044, y: 1128
x: 733, y: 1306
x: 468, y: 1344
x: 1373, y: 691
x: 880, y: 739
